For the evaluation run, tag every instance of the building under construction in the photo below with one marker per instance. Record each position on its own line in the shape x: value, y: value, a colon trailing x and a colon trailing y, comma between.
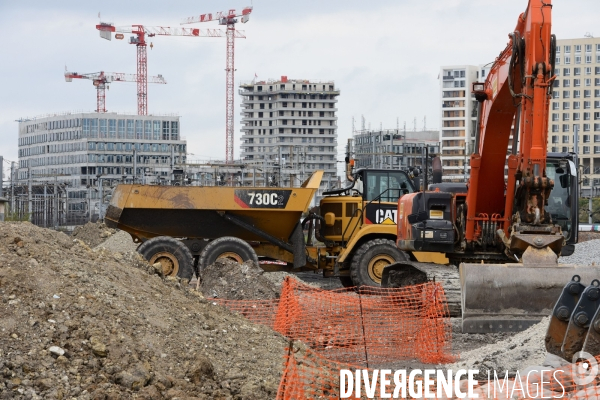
x: 289, y: 127
x: 393, y: 148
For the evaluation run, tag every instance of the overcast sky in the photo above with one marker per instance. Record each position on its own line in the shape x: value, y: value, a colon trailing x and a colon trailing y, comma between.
x: 384, y: 56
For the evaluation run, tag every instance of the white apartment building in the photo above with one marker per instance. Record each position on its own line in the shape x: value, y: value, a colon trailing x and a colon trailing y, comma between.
x: 77, y: 149
x: 290, y: 124
x: 458, y: 117
x: 576, y: 105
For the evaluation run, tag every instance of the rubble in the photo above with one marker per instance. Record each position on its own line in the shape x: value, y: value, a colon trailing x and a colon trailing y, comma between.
x: 92, y: 233
x: 226, y: 279
x: 124, y: 331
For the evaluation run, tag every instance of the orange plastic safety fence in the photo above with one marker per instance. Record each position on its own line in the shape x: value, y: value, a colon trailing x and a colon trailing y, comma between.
x: 366, y: 326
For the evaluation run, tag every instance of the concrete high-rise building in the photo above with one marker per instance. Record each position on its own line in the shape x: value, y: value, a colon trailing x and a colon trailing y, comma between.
x: 576, y: 106
x: 458, y: 117
x: 82, y: 151
x: 290, y: 126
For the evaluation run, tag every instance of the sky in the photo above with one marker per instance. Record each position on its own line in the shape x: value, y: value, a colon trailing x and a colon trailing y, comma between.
x: 383, y: 55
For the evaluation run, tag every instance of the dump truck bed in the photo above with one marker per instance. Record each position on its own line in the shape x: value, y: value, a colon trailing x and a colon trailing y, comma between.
x: 147, y: 211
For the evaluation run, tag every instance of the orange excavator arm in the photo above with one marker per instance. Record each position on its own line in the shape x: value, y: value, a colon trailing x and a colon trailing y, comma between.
x: 519, y: 84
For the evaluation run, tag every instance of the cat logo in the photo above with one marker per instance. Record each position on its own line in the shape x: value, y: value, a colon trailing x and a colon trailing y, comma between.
x: 386, y: 217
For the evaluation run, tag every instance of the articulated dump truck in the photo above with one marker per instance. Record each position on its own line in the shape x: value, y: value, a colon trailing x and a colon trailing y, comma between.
x: 351, y: 234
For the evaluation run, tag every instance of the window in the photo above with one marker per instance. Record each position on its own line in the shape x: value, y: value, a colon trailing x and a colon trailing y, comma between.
x: 577, y: 71
x: 586, y: 116
x: 566, y: 116
x: 555, y: 129
x: 557, y: 72
x: 588, y: 59
x: 565, y: 139
x: 577, y: 48
x: 587, y: 82
x: 555, y: 139
x: 596, y: 104
x: 587, y: 93
x: 567, y: 60
x: 566, y: 94
x: 596, y: 149
x: 588, y: 70
x: 566, y: 105
x: 566, y: 71
x: 576, y: 94
x: 567, y: 49
x: 587, y: 104
x: 557, y: 49
x: 597, y: 82
x: 566, y: 83
x: 557, y: 61
x: 555, y: 105
x: 586, y: 149
x: 556, y: 94
x: 586, y: 138
x: 597, y: 129
x: 596, y: 138
x: 565, y: 149
x: 597, y: 47
x: 596, y: 116
x: 576, y: 105
x: 586, y: 127
x: 588, y: 48
x: 597, y: 70
x: 576, y: 82
x: 576, y: 116
x: 554, y: 116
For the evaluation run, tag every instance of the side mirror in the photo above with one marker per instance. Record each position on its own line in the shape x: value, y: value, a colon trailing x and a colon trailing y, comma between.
x: 565, y: 181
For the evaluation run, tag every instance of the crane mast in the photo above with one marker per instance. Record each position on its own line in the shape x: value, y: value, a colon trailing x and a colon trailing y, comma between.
x: 229, y: 20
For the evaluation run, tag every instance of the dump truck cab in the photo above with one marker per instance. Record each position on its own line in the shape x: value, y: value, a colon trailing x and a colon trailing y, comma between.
x: 357, y: 225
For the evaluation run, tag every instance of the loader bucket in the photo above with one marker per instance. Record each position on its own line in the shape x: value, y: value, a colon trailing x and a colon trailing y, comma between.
x: 512, y: 297
x: 579, y: 323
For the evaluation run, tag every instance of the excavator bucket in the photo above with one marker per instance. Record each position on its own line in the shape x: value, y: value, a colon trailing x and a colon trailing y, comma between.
x: 579, y: 323
x: 561, y: 314
x: 512, y: 297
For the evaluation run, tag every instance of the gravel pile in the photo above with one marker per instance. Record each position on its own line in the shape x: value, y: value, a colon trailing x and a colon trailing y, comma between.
x: 86, y: 324
x: 226, y: 279
x: 92, y: 233
x: 120, y: 242
x: 586, y: 253
x: 515, y: 352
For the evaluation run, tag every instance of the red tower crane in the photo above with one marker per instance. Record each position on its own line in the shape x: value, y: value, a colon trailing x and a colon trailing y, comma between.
x: 102, y: 79
x: 141, y: 31
x: 229, y: 20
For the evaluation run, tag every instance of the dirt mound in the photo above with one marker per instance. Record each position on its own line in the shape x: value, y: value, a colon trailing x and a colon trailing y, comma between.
x: 96, y: 325
x: 120, y: 242
x: 516, y: 352
x: 226, y: 279
x: 92, y: 233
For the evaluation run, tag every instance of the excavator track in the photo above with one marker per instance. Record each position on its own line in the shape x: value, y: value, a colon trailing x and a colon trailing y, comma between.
x: 410, y: 273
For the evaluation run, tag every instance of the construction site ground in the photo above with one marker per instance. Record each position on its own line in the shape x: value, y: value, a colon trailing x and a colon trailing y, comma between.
x: 100, y: 323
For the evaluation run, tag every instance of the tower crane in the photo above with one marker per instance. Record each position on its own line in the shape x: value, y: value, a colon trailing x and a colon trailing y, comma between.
x: 229, y: 20
x: 102, y: 79
x: 139, y: 40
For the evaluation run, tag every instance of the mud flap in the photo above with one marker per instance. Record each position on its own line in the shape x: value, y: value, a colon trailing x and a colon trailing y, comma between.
x: 512, y: 297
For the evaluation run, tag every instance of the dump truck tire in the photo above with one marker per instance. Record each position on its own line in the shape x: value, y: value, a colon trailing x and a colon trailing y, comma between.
x: 226, y: 247
x: 369, y: 260
x: 175, y: 257
x: 346, y: 281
